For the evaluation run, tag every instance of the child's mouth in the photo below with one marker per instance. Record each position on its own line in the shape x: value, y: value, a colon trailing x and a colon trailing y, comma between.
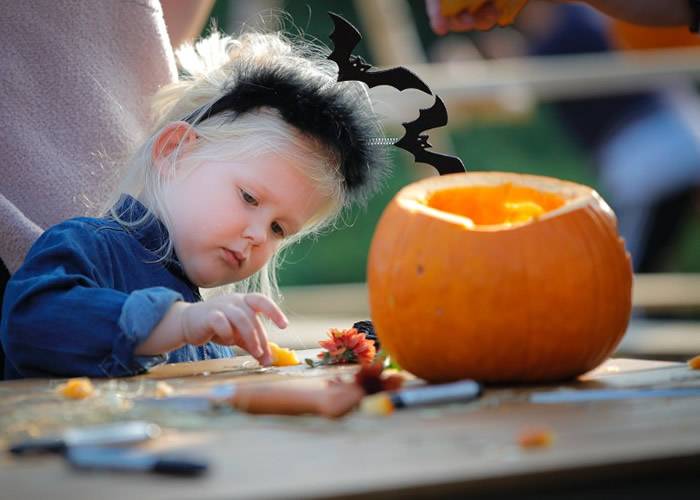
x: 232, y: 258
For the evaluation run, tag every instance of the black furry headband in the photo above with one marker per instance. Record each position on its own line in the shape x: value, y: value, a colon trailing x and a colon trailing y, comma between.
x: 314, y: 106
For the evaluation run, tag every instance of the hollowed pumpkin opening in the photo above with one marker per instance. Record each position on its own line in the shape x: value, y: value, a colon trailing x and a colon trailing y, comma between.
x: 503, y: 204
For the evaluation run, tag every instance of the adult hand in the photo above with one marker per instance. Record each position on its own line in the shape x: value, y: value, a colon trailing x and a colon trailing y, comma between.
x: 484, y: 18
x: 232, y: 320
x: 503, y: 12
x: 647, y: 12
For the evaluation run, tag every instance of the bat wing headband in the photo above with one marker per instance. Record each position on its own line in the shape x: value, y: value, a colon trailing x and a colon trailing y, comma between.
x: 332, y: 114
x: 345, y: 38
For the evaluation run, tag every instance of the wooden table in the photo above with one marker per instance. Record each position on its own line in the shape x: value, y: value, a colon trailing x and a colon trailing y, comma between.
x: 649, y: 447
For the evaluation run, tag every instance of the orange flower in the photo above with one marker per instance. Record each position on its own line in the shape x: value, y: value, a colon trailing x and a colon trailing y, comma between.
x: 347, y: 346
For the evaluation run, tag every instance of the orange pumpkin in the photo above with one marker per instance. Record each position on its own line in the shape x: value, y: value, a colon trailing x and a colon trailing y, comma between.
x: 498, y: 277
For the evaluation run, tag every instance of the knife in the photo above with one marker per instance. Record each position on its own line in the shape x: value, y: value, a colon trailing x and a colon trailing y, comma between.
x: 217, y: 398
x: 584, y: 396
x: 113, y: 434
x: 125, y: 459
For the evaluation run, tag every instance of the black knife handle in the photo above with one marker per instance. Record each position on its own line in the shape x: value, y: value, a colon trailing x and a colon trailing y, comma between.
x: 36, y: 446
x: 179, y: 466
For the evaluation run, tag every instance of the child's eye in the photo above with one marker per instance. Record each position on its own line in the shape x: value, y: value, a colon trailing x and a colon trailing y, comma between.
x: 278, y: 230
x: 249, y: 198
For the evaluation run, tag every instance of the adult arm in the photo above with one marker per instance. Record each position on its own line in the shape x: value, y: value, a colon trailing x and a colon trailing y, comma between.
x: 17, y: 234
x: 647, y: 12
x: 185, y: 19
x: 644, y: 12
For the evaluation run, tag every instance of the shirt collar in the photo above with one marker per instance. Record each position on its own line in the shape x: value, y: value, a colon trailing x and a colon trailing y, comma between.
x: 151, y: 233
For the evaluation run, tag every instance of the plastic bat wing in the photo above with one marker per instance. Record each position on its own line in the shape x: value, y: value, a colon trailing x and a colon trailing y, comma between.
x: 416, y: 143
x: 345, y: 38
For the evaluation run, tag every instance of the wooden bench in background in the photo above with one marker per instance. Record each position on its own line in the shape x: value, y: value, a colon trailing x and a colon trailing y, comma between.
x: 676, y: 297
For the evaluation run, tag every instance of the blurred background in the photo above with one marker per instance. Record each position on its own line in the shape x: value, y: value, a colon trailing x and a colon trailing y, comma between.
x: 564, y: 92
x: 629, y: 135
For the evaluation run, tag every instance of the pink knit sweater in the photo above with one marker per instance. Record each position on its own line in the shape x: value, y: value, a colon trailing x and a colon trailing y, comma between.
x: 75, y: 81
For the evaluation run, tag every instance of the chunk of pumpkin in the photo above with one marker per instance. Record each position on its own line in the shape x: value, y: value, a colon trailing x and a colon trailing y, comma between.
x: 536, y: 438
x: 76, y: 388
x: 377, y: 404
x: 282, y: 356
x: 163, y: 389
x: 522, y: 211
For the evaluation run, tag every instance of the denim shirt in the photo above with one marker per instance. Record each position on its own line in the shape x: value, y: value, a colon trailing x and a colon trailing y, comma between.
x: 88, y: 292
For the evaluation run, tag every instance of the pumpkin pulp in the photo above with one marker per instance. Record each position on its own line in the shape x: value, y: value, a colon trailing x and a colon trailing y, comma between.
x: 282, y: 356
x: 500, y: 205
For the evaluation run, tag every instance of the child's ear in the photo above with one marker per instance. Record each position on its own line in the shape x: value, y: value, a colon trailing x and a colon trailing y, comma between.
x: 171, y: 137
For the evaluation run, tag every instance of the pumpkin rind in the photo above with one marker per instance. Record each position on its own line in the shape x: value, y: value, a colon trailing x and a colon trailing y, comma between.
x: 542, y: 301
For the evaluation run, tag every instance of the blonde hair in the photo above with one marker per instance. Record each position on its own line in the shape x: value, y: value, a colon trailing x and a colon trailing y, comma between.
x: 207, y: 68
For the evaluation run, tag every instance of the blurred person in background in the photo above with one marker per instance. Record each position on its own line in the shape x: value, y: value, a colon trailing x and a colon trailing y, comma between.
x: 76, y: 74
x: 643, y: 12
x: 645, y: 145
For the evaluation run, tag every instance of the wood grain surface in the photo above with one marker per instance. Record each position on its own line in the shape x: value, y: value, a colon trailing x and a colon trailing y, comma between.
x: 455, y: 449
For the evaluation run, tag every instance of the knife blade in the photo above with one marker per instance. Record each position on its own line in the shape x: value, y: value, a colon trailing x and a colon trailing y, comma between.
x: 218, y: 397
x: 114, y: 434
x: 124, y: 459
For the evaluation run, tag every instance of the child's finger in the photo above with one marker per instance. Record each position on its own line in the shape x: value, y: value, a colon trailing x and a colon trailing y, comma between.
x: 240, y: 319
x: 266, y: 359
x: 219, y: 324
x: 261, y: 304
x: 199, y: 327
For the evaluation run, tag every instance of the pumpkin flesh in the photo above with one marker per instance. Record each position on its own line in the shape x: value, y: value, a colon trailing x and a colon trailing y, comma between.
x: 495, y: 205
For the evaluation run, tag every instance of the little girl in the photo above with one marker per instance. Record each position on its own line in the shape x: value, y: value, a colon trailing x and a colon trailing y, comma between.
x: 256, y: 146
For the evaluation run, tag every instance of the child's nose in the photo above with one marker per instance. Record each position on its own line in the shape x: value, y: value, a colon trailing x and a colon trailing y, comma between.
x: 256, y: 233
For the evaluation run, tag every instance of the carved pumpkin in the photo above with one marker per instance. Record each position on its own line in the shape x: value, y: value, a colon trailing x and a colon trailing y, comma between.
x: 498, y: 277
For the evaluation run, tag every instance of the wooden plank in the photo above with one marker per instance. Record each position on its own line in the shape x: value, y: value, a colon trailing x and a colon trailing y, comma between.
x: 341, y: 299
x: 661, y: 339
x: 651, y: 291
x: 561, y: 76
x: 459, y: 448
x: 667, y: 291
x: 315, y: 309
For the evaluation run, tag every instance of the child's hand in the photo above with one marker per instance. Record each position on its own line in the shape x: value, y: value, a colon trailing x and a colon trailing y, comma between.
x: 232, y: 320
x: 228, y: 320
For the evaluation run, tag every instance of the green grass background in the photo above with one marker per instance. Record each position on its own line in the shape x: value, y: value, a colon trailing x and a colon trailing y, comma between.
x: 537, y: 145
